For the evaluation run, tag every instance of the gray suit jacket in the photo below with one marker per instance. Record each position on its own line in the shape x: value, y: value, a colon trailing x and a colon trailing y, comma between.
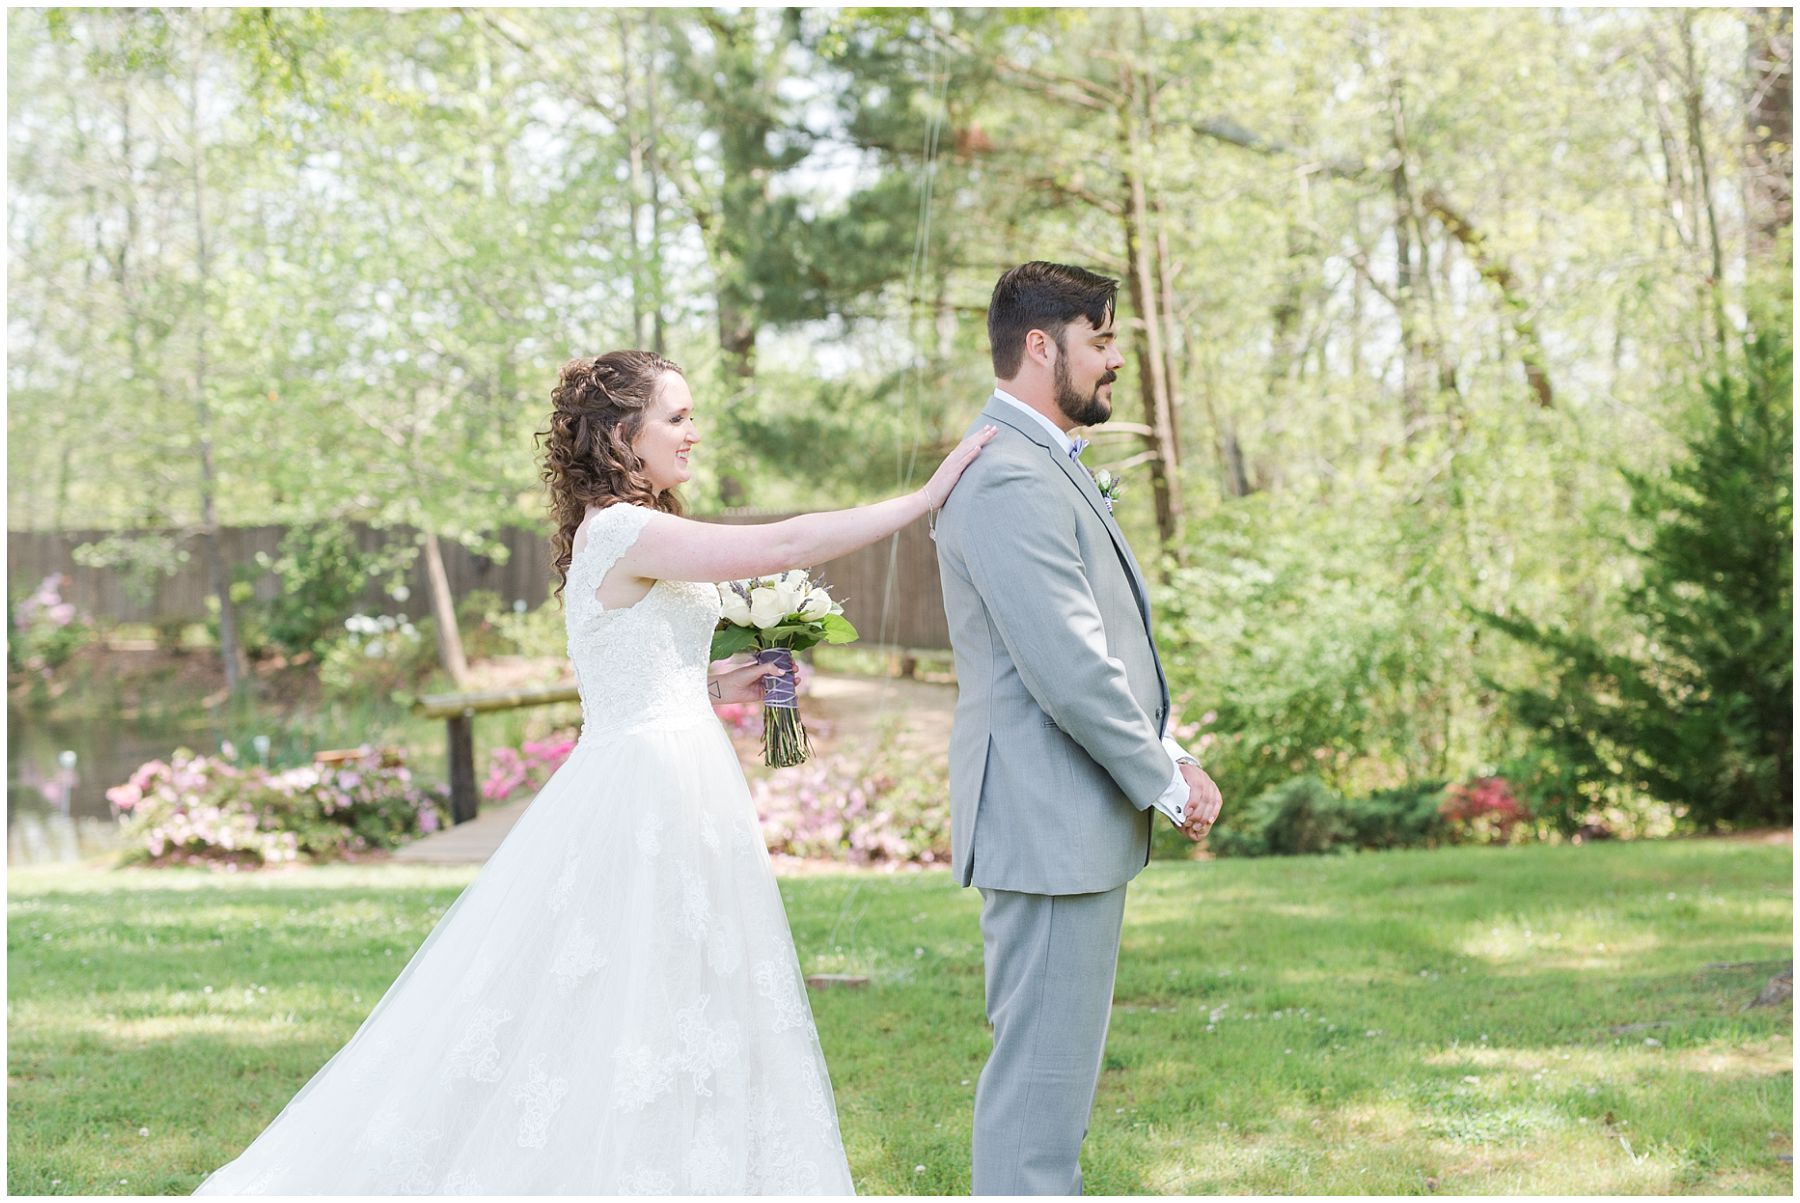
x: 1056, y: 751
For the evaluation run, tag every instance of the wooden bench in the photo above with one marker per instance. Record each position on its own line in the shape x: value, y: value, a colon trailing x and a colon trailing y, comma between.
x: 458, y: 710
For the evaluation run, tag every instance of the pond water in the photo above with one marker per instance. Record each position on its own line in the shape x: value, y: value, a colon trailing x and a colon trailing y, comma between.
x: 58, y: 772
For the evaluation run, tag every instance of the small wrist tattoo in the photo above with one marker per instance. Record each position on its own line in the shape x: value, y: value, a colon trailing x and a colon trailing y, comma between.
x: 712, y: 687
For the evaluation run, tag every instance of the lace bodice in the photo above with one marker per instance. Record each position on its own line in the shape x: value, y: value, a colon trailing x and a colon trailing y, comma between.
x: 642, y: 665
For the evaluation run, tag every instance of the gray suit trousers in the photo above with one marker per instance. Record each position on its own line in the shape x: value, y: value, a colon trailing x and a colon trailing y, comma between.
x: 1050, y: 964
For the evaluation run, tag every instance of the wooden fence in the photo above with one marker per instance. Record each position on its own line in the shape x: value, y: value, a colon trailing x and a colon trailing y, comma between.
x: 889, y: 589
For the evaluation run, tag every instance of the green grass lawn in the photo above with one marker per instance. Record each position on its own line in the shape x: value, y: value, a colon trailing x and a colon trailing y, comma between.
x: 1527, y: 1020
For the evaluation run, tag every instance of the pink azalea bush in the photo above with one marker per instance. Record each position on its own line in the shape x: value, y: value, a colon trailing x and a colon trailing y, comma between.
x: 510, y: 771
x: 526, y: 768
x: 45, y: 629
x: 743, y: 720
x: 209, y: 810
x: 833, y: 808
x: 1485, y: 811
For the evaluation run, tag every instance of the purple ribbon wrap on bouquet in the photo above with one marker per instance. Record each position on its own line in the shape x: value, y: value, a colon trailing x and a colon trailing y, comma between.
x: 779, y: 691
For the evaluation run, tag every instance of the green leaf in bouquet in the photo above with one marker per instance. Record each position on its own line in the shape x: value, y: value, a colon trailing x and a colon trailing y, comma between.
x: 838, y: 629
x: 796, y: 634
x: 795, y: 628
x: 730, y: 640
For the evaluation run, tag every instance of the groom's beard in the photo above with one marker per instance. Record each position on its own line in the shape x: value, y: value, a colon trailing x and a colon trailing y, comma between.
x: 1083, y: 409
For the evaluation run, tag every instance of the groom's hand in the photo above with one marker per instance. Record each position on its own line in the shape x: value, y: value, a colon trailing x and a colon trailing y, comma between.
x: 1203, y: 803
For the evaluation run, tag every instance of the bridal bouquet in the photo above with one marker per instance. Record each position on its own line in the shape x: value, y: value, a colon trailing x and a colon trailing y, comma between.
x: 778, y: 616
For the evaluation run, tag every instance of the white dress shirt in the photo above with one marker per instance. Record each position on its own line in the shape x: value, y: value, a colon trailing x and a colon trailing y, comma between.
x: 1062, y: 438
x: 1173, y: 800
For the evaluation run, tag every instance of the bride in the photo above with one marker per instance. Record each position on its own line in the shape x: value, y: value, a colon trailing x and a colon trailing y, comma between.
x: 613, y: 1005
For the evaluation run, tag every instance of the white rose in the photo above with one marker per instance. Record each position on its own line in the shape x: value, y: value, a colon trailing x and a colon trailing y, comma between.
x: 768, y: 607
x: 735, y: 608
x: 795, y: 591
x: 816, y: 604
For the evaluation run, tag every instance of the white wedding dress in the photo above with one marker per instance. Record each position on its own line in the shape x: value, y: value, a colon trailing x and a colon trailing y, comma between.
x: 613, y: 1006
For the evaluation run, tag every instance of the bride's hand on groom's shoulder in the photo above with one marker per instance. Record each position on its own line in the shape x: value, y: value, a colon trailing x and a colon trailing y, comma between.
x: 937, y: 489
x: 1203, y: 803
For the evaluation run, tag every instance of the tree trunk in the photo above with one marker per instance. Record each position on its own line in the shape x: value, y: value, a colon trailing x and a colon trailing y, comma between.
x: 635, y: 148
x: 1769, y: 142
x: 1284, y: 315
x: 737, y: 335
x: 1412, y: 405
x: 652, y: 142
x: 1164, y: 267
x: 1494, y: 270
x: 443, y: 613
x: 1171, y: 328
x: 218, y: 575
x: 1148, y: 349
x: 1359, y: 289
x: 1696, y: 122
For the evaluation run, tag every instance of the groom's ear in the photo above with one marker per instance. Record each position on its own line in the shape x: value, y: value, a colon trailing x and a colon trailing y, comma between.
x: 1040, y: 348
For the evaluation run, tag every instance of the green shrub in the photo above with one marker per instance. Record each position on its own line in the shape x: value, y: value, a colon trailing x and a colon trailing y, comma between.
x: 170, y: 634
x: 1296, y: 818
x: 379, y: 655
x: 1304, y: 635
x: 1698, y: 711
x: 1403, y: 817
x: 1304, y: 816
x: 537, y: 634
x: 1559, y: 795
x: 478, y: 615
x: 322, y: 572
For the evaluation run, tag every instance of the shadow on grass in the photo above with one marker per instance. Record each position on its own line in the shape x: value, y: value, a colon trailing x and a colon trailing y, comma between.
x: 1378, y: 1024
x: 85, y: 1111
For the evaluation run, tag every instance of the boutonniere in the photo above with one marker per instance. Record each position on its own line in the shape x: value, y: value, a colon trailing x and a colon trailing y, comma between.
x: 1110, y: 486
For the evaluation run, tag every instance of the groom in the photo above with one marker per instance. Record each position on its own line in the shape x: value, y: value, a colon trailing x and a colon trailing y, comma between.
x: 1058, y: 754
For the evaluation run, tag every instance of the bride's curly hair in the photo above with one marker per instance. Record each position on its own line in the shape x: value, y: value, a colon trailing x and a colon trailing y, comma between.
x: 597, y: 409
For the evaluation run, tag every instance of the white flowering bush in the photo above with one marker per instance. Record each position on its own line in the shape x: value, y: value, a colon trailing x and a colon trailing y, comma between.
x: 378, y: 654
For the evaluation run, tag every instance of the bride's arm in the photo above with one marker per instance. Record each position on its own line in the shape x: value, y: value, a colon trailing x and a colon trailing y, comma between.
x: 679, y: 549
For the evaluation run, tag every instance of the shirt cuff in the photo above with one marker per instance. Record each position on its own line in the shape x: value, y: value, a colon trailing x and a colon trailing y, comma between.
x: 1176, y: 751
x: 1173, y: 800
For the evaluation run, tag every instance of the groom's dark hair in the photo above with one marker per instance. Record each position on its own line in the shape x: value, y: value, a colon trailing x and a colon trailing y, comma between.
x: 1043, y: 296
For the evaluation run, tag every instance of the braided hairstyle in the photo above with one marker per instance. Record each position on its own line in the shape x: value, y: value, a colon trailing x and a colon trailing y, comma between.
x: 597, y: 409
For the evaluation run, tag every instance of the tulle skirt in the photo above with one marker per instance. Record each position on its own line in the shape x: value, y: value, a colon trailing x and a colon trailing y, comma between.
x: 613, y: 1006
